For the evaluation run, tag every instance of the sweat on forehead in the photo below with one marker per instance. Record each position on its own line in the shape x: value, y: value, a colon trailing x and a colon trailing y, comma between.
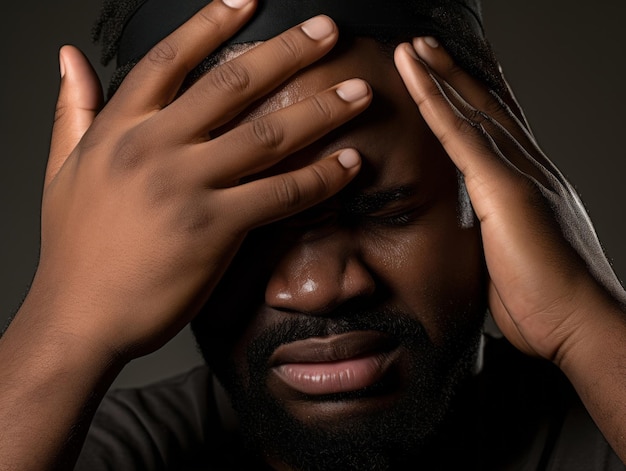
x: 129, y: 28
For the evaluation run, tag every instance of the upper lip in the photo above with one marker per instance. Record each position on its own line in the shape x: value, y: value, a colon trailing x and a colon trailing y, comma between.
x: 332, y: 348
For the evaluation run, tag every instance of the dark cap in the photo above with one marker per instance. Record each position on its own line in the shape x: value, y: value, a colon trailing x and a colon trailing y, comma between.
x: 155, y: 19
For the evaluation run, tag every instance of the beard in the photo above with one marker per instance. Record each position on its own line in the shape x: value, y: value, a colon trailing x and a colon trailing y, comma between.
x: 383, y: 438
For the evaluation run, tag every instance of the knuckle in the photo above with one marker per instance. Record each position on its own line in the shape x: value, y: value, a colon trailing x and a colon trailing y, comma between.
x: 475, y: 118
x: 468, y: 131
x: 494, y: 105
x: 165, y: 52
x: 129, y: 153
x: 322, y: 108
x: 322, y: 181
x: 268, y: 133
x: 290, y: 46
x: 467, y: 126
x: 294, y: 194
x: 287, y: 192
x: 230, y: 77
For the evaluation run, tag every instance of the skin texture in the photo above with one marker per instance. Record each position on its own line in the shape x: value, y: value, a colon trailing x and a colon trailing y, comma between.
x: 388, y: 247
x: 136, y: 189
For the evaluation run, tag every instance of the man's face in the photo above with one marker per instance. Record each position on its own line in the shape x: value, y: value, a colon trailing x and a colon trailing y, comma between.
x: 346, y: 328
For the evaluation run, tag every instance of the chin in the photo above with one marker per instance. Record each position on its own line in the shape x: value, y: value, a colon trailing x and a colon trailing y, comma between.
x: 377, y: 427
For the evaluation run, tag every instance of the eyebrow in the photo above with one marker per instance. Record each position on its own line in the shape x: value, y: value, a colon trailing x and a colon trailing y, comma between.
x: 366, y: 203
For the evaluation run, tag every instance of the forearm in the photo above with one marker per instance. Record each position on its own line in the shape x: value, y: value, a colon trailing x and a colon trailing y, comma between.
x: 595, y: 363
x: 50, y: 384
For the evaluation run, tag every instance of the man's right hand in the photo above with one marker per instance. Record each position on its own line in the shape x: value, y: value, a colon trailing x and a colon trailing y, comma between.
x: 142, y: 211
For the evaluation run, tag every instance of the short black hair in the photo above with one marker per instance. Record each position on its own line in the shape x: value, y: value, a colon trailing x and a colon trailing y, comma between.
x: 471, y: 51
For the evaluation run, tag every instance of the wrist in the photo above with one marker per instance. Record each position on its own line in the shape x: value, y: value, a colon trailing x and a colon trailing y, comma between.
x: 51, y: 327
x: 593, y: 359
x: 51, y: 381
x: 596, y: 331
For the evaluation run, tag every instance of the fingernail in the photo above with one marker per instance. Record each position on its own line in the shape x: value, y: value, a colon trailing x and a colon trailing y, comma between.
x: 61, y: 64
x: 353, y: 90
x: 318, y: 28
x: 236, y: 3
x: 432, y: 42
x: 349, y: 158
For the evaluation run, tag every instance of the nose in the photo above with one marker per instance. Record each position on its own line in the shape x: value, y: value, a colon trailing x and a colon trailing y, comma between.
x: 316, y: 277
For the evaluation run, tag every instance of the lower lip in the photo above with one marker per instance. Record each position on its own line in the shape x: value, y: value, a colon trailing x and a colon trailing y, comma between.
x: 334, y: 377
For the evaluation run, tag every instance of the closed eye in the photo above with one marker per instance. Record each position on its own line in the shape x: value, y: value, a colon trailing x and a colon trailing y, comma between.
x: 399, y: 219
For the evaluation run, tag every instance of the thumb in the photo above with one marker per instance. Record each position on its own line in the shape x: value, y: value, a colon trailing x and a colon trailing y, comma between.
x: 80, y: 99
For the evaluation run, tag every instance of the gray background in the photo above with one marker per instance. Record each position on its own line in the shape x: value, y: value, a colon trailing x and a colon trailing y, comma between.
x: 564, y: 59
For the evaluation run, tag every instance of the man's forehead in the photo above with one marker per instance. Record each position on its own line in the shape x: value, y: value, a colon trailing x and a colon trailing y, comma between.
x: 359, y: 57
x: 392, y: 137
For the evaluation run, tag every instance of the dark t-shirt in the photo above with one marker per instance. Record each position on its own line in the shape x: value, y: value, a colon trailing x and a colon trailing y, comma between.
x: 517, y: 414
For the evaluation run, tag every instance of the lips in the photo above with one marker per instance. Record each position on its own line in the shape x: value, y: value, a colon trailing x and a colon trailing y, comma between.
x: 334, y: 364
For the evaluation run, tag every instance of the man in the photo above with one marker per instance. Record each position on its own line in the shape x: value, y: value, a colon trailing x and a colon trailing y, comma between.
x: 318, y: 227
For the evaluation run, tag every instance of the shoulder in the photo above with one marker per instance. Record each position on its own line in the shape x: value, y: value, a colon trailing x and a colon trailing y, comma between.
x: 146, y: 428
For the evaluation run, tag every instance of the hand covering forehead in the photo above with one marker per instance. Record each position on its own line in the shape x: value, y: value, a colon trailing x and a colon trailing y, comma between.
x: 155, y: 19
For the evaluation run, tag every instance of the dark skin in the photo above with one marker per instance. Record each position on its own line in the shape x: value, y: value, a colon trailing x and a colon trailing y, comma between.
x: 392, y: 243
x: 132, y: 195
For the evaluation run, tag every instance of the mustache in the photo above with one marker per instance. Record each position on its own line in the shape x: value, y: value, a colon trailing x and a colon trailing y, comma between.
x: 394, y: 322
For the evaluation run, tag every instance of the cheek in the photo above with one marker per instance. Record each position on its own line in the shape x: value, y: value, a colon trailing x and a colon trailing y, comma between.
x: 437, y: 274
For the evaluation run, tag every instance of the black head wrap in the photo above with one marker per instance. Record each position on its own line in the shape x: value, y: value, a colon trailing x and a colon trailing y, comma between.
x: 129, y: 28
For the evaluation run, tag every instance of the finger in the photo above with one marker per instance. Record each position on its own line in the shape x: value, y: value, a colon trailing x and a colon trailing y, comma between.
x: 472, y: 89
x: 270, y: 199
x: 227, y: 89
x: 80, y: 99
x: 509, y: 147
x: 514, y: 141
x: 511, y: 100
x: 464, y: 140
x: 518, y: 148
x: 156, y: 79
x: 259, y: 144
x: 502, y: 120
